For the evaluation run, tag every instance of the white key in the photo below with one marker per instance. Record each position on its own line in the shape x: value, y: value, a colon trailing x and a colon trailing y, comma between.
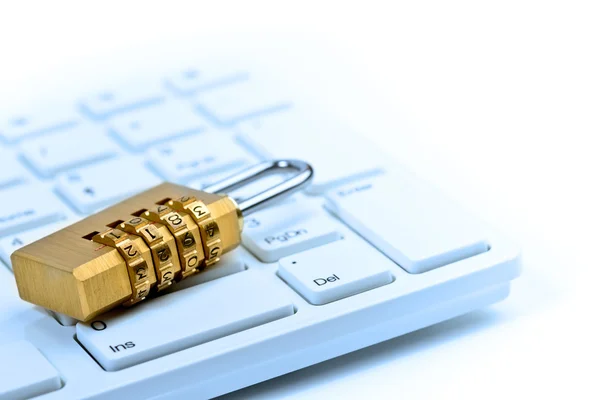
x: 106, y: 103
x: 14, y: 242
x: 410, y: 221
x: 71, y: 148
x: 199, y: 155
x: 336, y: 154
x: 230, y: 104
x: 97, y: 186
x: 193, y: 80
x: 28, y: 206
x: 230, y: 263
x: 206, y: 180
x: 25, y: 372
x: 336, y: 270
x: 258, y: 186
x: 11, y: 170
x: 165, y: 325
x: 289, y: 228
x: 46, y: 119
x: 151, y: 125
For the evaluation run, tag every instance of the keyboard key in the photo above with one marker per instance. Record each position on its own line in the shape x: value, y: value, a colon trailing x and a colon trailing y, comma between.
x: 289, y: 228
x: 97, y: 186
x: 198, y: 155
x: 148, y: 126
x: 104, y: 104
x: 72, y: 148
x: 247, y: 190
x: 193, y: 80
x: 337, y: 155
x: 336, y: 270
x: 203, y: 181
x: 227, y: 105
x: 26, y: 373
x: 14, y: 242
x: 410, y: 221
x: 230, y: 263
x: 47, y: 120
x: 28, y: 206
x: 117, y: 340
x: 11, y: 171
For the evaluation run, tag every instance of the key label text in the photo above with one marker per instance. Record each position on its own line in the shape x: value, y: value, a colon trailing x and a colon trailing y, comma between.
x: 323, y: 281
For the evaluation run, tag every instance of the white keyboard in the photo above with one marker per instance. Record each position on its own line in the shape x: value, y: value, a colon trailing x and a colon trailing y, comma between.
x: 369, y: 252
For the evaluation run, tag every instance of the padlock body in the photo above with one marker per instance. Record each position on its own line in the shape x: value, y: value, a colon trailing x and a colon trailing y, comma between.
x: 70, y: 273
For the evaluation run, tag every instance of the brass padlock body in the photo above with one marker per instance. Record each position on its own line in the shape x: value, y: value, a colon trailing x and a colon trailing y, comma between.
x: 72, y: 272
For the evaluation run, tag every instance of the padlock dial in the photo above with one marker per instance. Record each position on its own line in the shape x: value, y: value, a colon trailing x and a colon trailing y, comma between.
x: 137, y: 260
x: 209, y: 229
x: 161, y: 242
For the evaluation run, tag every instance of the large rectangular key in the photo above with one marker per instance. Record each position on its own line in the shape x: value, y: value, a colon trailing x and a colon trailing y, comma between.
x: 246, y: 99
x: 146, y: 127
x: 200, y: 155
x: 13, y: 242
x: 168, y: 324
x: 93, y: 187
x: 47, y: 118
x: 68, y: 149
x: 107, y: 103
x: 22, y: 209
x: 192, y: 80
x: 25, y: 372
x: 428, y: 230
x: 337, y: 154
x: 11, y: 171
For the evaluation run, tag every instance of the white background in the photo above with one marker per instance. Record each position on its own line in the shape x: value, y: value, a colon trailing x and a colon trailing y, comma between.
x: 496, y: 102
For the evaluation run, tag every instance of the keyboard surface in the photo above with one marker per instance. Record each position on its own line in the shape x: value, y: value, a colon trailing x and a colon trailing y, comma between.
x: 367, y: 253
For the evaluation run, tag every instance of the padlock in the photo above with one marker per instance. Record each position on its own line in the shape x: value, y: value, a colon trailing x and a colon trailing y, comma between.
x: 125, y: 254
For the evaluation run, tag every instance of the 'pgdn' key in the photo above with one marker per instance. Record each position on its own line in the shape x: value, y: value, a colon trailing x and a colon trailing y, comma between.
x: 286, y: 236
x: 128, y: 252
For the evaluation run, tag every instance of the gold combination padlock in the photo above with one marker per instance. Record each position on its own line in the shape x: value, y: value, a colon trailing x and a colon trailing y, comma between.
x: 126, y: 253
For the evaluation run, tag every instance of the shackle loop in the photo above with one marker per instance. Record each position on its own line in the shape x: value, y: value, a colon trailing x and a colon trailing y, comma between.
x: 303, y: 174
